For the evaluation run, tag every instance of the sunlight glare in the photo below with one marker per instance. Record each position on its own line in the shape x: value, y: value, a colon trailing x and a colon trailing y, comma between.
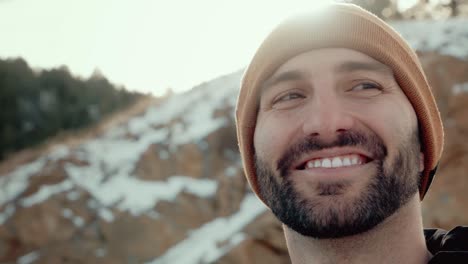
x: 144, y: 45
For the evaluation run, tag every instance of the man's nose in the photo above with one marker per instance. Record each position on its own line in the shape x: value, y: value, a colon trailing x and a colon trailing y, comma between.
x: 326, y: 116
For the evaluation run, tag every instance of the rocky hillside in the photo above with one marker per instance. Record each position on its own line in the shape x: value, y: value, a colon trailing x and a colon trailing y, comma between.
x: 166, y: 186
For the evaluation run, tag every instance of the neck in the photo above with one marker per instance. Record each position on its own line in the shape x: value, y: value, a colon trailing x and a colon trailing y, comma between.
x: 399, y: 239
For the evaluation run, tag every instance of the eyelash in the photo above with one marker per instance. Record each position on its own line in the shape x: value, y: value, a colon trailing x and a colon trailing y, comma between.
x: 292, y: 95
x: 284, y: 98
x: 367, y: 84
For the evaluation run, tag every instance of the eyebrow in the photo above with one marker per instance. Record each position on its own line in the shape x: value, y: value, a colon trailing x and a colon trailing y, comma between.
x: 347, y: 66
x: 293, y: 75
x: 350, y: 66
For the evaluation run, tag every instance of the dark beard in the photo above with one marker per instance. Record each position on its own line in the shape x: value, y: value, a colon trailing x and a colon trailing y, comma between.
x: 389, y: 189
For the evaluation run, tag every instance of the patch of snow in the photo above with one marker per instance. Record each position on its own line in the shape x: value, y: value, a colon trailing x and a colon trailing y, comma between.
x: 214, y: 255
x: 93, y: 204
x: 67, y: 213
x: 28, y: 258
x: 404, y: 5
x: 45, y: 192
x: 460, y: 88
x: 7, y: 213
x: 134, y: 195
x: 79, y: 153
x: 116, y: 132
x: 106, y: 214
x: 198, y: 130
x: 153, y: 214
x: 76, y: 220
x: 59, y: 152
x: 163, y: 154
x: 14, y: 183
x: 115, y: 154
x: 73, y: 195
x: 100, y: 252
x: 449, y: 37
x: 201, y: 246
x: 230, y: 171
x: 194, y: 106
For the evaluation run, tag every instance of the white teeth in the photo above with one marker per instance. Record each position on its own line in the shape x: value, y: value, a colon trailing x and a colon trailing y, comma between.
x: 336, y: 162
x: 326, y: 163
x: 317, y: 163
x: 346, y: 161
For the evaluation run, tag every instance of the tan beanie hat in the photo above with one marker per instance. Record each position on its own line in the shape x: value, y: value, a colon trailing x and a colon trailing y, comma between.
x: 340, y: 26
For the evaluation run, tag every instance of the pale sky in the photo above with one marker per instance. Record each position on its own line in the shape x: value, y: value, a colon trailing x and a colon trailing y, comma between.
x: 145, y: 45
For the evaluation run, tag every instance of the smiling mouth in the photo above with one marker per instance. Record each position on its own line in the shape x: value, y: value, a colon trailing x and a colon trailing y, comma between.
x: 335, y: 162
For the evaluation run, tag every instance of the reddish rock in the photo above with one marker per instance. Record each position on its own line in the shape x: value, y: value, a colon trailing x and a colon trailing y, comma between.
x: 188, y: 161
x: 153, y: 165
x: 231, y: 191
x: 138, y: 238
x: 186, y: 212
x: 445, y: 204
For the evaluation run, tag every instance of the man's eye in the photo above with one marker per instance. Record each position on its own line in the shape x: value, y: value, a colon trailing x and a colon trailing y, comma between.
x: 288, y: 97
x: 365, y: 86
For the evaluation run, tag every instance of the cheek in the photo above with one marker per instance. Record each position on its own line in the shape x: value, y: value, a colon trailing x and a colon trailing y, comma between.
x: 403, y: 120
x: 394, y: 123
x: 260, y: 140
x: 270, y: 137
x: 263, y: 138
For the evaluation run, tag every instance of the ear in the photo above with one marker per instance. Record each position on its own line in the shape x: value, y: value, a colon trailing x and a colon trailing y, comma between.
x: 421, y: 161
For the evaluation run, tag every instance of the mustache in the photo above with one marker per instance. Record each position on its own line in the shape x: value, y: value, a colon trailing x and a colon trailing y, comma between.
x: 367, y: 141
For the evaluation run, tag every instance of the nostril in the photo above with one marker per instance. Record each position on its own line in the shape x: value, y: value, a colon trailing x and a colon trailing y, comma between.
x: 341, y: 130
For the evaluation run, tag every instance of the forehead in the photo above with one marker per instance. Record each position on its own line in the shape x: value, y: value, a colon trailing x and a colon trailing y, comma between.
x: 332, y: 59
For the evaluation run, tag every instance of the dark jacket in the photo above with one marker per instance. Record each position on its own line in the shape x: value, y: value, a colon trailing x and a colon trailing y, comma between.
x: 447, y: 247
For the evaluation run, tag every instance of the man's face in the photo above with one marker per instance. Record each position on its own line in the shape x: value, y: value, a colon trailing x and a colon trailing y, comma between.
x: 336, y: 143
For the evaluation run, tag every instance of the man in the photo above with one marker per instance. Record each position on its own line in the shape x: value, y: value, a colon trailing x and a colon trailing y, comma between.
x: 340, y: 137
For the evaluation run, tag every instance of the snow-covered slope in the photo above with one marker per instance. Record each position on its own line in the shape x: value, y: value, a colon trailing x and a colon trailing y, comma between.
x: 104, y: 167
x: 448, y: 37
x: 111, y: 158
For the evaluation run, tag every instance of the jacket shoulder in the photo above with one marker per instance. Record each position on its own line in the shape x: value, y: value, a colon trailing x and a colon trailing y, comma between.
x: 448, y: 247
